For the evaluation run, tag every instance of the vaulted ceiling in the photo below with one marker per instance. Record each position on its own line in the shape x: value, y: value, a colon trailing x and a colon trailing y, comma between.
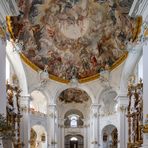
x: 74, y: 37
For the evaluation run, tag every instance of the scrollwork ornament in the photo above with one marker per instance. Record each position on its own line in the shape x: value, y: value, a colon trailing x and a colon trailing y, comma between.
x: 123, y: 108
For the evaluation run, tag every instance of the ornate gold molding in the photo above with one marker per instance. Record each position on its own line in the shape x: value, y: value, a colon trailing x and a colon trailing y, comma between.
x: 83, y: 80
x: 145, y: 129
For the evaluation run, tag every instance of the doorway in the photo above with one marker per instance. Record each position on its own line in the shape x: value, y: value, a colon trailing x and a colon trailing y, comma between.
x: 74, y: 141
x: 110, y: 136
x: 73, y: 144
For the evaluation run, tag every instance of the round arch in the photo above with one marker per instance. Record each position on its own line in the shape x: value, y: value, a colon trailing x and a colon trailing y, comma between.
x: 104, y: 91
x: 74, y: 111
x: 38, y: 136
x: 38, y: 101
x: 74, y: 141
x: 73, y: 118
x: 17, y: 64
x: 83, y: 88
x: 107, y: 101
x: 109, y: 136
x: 134, y: 56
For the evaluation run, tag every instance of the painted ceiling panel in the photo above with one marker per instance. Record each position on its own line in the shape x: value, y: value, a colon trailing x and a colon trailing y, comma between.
x: 73, y: 95
x: 74, y: 37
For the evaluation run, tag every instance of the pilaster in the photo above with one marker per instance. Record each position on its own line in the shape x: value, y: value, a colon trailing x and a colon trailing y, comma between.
x: 94, y: 128
x: 123, y: 128
x: 52, y: 126
x: 2, y: 77
x: 25, y: 122
x: 61, y: 136
x: 145, y: 94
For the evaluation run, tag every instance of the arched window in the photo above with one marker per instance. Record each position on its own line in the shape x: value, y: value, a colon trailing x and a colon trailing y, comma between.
x: 38, y: 102
x: 73, y: 120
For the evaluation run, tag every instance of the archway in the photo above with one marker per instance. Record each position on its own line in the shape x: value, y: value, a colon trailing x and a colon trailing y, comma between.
x: 73, y: 108
x: 74, y: 141
x: 110, y: 136
x: 108, y: 102
x: 38, y: 137
x: 38, y: 102
x: 73, y: 118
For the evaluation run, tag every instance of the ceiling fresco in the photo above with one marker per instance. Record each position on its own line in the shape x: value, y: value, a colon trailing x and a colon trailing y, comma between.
x: 73, y: 95
x: 74, y: 37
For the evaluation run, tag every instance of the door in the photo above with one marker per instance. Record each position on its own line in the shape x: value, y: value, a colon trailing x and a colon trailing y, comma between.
x: 73, y: 144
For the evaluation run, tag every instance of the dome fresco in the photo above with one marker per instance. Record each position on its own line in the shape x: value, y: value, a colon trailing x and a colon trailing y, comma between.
x: 73, y: 95
x: 74, y: 37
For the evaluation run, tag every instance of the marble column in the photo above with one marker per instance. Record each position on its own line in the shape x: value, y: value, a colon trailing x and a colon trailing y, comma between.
x: 61, y: 133
x: 52, y: 126
x: 94, y: 126
x: 145, y: 92
x: 88, y: 133
x: 86, y: 137
x: 2, y: 77
x: 123, y: 127
x: 25, y: 121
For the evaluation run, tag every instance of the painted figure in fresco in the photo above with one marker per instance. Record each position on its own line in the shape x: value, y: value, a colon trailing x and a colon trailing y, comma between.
x: 74, y: 34
x: 73, y: 95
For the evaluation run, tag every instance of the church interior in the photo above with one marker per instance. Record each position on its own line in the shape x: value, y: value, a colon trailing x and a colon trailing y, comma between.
x: 73, y: 74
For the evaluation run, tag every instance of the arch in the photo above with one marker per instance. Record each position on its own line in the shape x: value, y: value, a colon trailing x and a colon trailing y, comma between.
x: 133, y: 57
x: 45, y: 91
x: 109, y: 136
x: 78, y: 141
x: 39, y: 88
x: 77, y: 88
x: 84, y: 88
x: 107, y: 101
x: 64, y: 107
x: 40, y: 139
x: 73, y: 118
x: 74, y: 111
x: 108, y: 126
x: 42, y: 90
x: 76, y: 136
x: 38, y: 102
x: 16, y: 62
x: 99, y: 94
x: 105, y: 90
